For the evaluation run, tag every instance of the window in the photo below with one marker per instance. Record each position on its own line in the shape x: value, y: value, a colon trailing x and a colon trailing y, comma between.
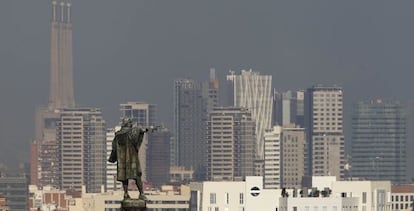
x: 226, y: 198
x: 364, y: 197
x: 241, y: 199
x: 212, y: 198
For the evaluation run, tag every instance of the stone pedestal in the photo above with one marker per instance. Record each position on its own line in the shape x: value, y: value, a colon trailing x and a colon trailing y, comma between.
x: 133, y: 205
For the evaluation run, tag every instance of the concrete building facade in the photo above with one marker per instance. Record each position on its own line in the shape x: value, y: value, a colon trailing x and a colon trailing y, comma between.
x: 230, y: 144
x: 44, y: 164
x: 284, y: 161
x: 82, y: 149
x: 402, y: 197
x: 324, y: 123
x: 111, y: 168
x: 325, y: 194
x: 272, y: 158
x: 50, y: 198
x: 167, y: 198
x: 373, y: 195
x: 293, y: 159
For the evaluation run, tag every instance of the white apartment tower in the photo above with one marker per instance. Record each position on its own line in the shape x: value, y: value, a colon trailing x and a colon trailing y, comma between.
x: 324, y: 121
x: 230, y: 144
x: 253, y: 91
x: 111, y: 168
x: 82, y: 149
x: 272, y: 158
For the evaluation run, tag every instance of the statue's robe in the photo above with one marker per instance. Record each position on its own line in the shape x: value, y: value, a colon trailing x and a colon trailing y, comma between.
x: 125, y: 147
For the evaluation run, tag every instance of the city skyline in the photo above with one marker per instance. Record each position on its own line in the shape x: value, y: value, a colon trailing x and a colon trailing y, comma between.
x: 345, y: 56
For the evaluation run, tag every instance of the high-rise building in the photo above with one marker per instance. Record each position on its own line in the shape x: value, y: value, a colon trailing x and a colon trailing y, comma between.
x: 145, y: 115
x: 272, y: 158
x: 379, y: 141
x: 82, y: 149
x: 288, y: 108
x: 211, y: 91
x: 44, y: 159
x: 284, y: 161
x: 111, y: 168
x: 324, y: 124
x: 253, y: 91
x: 190, y: 114
x: 158, y: 157
x: 293, y: 159
x: 141, y: 113
x: 230, y: 144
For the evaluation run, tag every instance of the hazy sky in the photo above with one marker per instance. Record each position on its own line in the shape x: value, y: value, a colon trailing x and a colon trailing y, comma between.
x: 133, y: 50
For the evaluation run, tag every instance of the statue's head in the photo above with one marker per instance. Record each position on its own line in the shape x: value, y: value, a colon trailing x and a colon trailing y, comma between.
x: 126, y: 122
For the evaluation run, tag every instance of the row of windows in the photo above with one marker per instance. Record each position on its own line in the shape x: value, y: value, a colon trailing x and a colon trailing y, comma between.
x: 402, y: 197
x: 327, y: 128
x: 329, y: 114
x: 213, y: 198
x: 402, y: 206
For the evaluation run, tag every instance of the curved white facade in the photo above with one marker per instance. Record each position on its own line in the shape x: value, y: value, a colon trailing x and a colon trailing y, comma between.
x: 254, y: 92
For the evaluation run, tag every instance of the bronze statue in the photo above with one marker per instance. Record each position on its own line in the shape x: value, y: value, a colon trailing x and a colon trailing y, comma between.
x: 125, y: 147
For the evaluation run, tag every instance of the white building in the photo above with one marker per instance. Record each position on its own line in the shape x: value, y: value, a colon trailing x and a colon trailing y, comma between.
x: 81, y: 149
x: 326, y: 194
x: 319, y: 203
x: 239, y: 195
x: 165, y: 199
x: 111, y: 182
x: 272, y: 158
x: 254, y: 92
x: 230, y: 144
x: 373, y: 195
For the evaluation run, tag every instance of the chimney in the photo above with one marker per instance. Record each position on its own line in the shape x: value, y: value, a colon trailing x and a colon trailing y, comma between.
x: 62, y: 12
x: 54, y: 3
x: 69, y: 15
